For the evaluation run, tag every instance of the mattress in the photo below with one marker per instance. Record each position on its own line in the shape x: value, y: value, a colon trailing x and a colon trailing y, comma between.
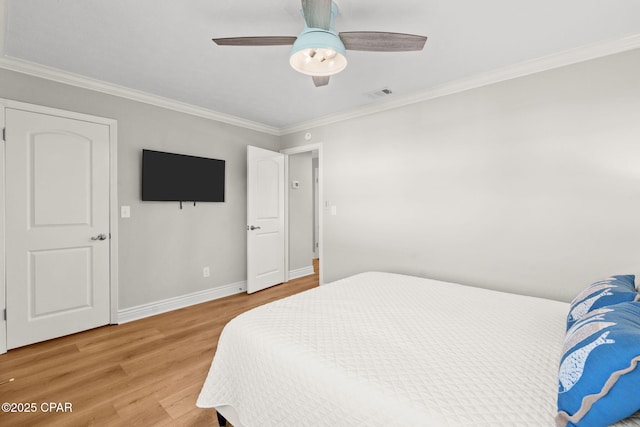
x: 381, y: 349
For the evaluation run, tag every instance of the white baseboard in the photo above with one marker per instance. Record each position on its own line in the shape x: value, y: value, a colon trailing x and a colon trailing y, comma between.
x: 301, y: 272
x: 170, y: 304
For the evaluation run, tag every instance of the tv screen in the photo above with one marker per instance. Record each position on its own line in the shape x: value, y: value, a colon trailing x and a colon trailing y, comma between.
x: 181, y: 178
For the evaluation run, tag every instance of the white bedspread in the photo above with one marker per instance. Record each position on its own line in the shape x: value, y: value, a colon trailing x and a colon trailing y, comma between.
x: 380, y: 349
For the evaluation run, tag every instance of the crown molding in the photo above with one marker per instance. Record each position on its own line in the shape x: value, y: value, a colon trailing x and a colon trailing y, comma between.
x: 521, y: 69
x: 561, y: 59
x: 59, y: 76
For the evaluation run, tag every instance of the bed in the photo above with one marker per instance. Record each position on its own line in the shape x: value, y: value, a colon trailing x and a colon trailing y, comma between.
x: 382, y: 349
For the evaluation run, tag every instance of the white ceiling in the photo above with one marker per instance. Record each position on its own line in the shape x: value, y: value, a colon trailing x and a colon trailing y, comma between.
x: 164, y: 47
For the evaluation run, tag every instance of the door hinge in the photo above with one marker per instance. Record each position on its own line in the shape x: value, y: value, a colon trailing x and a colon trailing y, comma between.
x: 4, y: 134
x: 4, y: 314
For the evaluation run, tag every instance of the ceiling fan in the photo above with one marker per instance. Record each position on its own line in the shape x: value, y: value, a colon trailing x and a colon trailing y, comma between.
x: 319, y: 51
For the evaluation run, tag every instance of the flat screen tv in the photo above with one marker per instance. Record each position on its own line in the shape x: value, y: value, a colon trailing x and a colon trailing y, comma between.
x: 181, y: 178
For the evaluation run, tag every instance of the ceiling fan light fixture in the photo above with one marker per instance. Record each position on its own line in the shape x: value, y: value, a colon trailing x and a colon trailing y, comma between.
x: 318, y: 52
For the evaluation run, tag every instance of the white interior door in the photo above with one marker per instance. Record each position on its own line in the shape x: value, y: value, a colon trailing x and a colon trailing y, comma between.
x: 57, y: 226
x: 265, y: 219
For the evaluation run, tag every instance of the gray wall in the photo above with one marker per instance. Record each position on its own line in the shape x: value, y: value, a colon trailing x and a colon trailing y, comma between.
x: 530, y: 185
x: 163, y: 249
x: 300, y: 212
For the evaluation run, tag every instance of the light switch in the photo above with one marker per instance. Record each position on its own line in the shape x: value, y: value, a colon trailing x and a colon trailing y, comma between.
x: 334, y: 210
x: 125, y: 211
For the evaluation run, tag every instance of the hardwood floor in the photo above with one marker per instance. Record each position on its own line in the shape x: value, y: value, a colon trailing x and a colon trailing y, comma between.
x: 144, y: 373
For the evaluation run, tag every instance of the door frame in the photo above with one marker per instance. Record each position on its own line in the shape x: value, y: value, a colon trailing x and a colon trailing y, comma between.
x: 297, y: 150
x: 113, y: 204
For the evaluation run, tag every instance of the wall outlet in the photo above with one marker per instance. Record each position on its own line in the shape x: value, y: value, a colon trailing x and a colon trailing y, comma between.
x: 206, y: 272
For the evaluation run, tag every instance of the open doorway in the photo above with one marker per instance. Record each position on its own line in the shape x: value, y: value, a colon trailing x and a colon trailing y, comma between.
x: 304, y: 212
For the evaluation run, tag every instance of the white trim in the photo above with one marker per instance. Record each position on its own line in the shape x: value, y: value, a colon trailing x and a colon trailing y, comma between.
x: 114, y: 215
x: 321, y: 214
x: 521, y: 69
x: 305, y: 149
x: 3, y: 299
x: 300, y: 272
x: 176, y: 303
x: 287, y: 273
x: 60, y: 76
x: 113, y: 200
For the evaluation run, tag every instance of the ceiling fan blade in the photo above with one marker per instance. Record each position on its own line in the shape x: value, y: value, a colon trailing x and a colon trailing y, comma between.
x: 255, y: 41
x: 377, y: 41
x: 317, y: 13
x: 320, y: 80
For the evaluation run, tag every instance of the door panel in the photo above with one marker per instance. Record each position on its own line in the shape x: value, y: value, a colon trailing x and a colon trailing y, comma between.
x: 60, y: 198
x: 57, y: 197
x: 268, y: 191
x: 59, y: 280
x: 265, y: 213
x: 269, y: 260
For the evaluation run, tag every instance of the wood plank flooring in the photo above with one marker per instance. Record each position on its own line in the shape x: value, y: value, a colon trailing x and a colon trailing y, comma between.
x: 143, y: 373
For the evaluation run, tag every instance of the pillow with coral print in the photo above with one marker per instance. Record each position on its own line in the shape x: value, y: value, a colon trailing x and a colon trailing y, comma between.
x: 609, y: 291
x: 599, y: 374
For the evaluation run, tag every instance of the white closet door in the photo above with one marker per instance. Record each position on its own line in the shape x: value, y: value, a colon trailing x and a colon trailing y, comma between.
x: 57, y: 226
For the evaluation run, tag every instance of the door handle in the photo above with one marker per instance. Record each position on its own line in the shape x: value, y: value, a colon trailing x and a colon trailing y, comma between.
x: 100, y: 236
x: 252, y: 227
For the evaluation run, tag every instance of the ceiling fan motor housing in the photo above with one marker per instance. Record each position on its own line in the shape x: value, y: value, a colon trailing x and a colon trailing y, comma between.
x: 318, y: 52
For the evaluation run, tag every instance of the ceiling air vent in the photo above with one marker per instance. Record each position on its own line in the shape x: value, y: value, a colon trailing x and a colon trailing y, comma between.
x: 380, y: 93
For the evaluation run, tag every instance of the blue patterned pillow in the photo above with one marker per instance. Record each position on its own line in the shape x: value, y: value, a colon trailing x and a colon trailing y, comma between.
x: 609, y: 291
x: 598, y: 378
